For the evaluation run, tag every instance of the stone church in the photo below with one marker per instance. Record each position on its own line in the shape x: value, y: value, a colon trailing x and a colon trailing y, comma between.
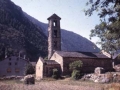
x: 61, y: 59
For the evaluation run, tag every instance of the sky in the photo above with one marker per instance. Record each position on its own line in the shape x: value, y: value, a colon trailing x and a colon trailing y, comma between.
x: 71, y: 12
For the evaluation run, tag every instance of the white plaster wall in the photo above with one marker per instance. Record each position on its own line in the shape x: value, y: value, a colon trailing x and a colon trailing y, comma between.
x: 58, y: 59
x: 39, y: 69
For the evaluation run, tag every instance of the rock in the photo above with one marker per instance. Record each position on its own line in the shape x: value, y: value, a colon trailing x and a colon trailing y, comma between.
x: 117, y: 68
x: 99, y: 70
x: 29, y: 79
x: 104, y: 80
x: 116, y: 78
x: 96, y: 80
x: 22, y: 80
x: 18, y: 77
x: 10, y: 77
x: 38, y: 78
x: 101, y: 78
x: 86, y: 77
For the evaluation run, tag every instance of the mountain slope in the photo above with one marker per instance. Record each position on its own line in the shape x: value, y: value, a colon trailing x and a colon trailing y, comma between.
x: 70, y: 40
x: 18, y: 33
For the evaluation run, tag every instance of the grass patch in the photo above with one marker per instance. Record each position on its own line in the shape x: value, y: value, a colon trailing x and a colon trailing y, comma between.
x: 15, y: 84
x: 11, y: 81
x: 112, y: 86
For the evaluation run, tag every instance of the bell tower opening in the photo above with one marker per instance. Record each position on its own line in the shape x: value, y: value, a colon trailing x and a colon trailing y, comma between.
x: 55, y: 23
x: 55, y: 44
x: 54, y: 35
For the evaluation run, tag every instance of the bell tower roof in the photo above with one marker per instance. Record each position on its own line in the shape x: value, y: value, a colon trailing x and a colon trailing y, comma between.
x: 54, y: 16
x: 54, y: 34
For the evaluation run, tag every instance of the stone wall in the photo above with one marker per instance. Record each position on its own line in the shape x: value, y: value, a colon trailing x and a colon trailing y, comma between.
x: 54, y: 35
x: 48, y: 69
x: 89, y: 64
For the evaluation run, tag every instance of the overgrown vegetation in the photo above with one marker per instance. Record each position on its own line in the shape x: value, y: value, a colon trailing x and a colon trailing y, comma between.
x: 76, y: 74
x: 75, y: 67
x: 56, y: 73
x: 29, y: 69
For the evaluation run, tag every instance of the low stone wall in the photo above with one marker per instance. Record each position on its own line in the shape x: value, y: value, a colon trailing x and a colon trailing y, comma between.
x: 103, y: 78
x: 11, y: 77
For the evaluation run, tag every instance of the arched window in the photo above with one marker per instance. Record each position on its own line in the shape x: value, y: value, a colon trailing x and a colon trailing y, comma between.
x: 55, y: 44
x: 54, y: 23
x: 55, y: 33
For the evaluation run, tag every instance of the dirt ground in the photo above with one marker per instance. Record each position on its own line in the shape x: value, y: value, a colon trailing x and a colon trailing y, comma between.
x: 50, y: 85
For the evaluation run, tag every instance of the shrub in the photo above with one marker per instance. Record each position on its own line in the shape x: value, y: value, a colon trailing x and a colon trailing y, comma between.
x: 75, y: 66
x: 29, y: 69
x: 76, y: 74
x: 55, y: 74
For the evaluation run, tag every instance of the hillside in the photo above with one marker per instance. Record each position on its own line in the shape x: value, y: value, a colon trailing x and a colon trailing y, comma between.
x: 70, y: 40
x: 21, y: 32
x: 18, y: 33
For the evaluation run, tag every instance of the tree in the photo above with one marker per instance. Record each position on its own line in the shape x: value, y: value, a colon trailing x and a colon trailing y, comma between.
x: 108, y: 29
x: 29, y: 69
x: 75, y: 67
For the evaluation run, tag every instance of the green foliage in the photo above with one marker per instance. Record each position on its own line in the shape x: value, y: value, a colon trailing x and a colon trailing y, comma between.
x: 55, y: 74
x: 104, y: 7
x: 76, y: 65
x: 108, y: 30
x: 76, y: 74
x: 29, y: 69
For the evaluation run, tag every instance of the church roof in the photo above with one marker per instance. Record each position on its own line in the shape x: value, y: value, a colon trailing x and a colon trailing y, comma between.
x: 50, y: 62
x: 54, y: 16
x: 81, y: 54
